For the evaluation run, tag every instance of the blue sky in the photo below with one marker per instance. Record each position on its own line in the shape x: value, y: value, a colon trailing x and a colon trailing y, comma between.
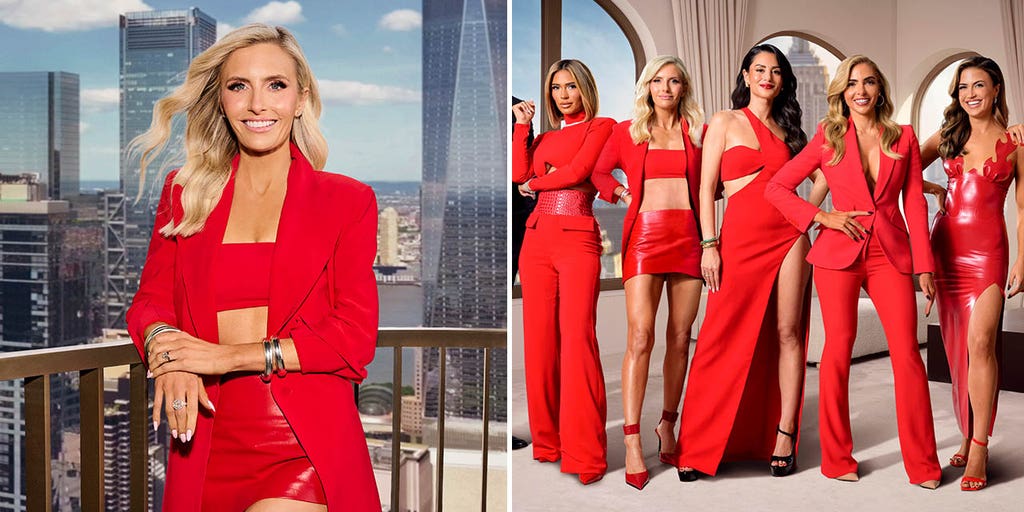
x: 366, y: 56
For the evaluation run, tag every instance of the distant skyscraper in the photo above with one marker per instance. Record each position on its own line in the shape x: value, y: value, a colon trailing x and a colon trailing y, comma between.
x: 43, y: 303
x: 464, y: 191
x: 387, y: 237
x: 156, y: 49
x: 40, y: 110
x: 812, y: 92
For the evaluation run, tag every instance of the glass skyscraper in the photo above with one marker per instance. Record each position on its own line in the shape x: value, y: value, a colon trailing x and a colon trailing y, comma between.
x: 41, y: 112
x: 464, y: 193
x: 156, y: 49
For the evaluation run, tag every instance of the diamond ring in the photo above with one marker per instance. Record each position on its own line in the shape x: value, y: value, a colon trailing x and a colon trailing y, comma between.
x: 178, y: 404
x: 166, y: 356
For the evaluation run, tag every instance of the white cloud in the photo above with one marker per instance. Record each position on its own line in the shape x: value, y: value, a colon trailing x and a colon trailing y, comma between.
x: 348, y: 92
x: 277, y: 13
x: 66, y: 15
x: 100, y: 100
x: 223, y: 29
x: 339, y: 29
x: 388, y: 49
x: 401, y: 20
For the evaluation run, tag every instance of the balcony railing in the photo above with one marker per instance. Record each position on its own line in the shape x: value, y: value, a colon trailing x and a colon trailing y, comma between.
x: 36, y: 366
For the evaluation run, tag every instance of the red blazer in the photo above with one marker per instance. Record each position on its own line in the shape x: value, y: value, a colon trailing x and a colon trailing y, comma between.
x: 621, y: 153
x: 908, y: 250
x: 323, y: 295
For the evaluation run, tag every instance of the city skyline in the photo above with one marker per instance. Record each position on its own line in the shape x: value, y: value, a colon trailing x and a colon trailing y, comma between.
x: 366, y: 57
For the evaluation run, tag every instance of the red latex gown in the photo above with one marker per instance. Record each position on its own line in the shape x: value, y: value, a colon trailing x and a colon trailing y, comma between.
x: 732, y: 402
x: 971, y: 254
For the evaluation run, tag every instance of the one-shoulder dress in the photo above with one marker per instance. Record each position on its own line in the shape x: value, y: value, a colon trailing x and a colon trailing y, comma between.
x: 732, y: 402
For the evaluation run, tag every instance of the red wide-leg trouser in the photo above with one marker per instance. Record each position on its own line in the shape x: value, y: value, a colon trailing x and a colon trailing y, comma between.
x: 893, y: 295
x: 560, y: 270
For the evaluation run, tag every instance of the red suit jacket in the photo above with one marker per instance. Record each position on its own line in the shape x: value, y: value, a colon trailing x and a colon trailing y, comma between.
x: 908, y: 251
x: 323, y: 295
x: 621, y: 153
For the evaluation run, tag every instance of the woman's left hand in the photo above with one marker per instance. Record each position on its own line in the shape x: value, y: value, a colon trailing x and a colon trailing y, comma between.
x: 1014, y: 283
x: 182, y: 352
x: 1017, y: 134
x: 928, y: 287
x: 524, y: 190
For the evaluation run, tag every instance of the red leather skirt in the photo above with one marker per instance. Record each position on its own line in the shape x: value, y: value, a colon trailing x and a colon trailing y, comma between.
x: 254, y: 453
x: 663, y: 242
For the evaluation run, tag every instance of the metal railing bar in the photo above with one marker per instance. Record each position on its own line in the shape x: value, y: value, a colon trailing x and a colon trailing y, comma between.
x: 487, y: 424
x: 90, y: 393
x: 37, y: 441
x: 396, y: 427
x: 440, y: 428
x: 139, y: 424
x: 45, y: 361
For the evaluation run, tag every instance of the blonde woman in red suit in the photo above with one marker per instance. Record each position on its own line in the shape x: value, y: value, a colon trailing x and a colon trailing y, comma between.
x: 257, y: 304
x: 981, y: 158
x: 754, y: 333
x: 559, y: 268
x: 659, y: 150
x: 869, y: 162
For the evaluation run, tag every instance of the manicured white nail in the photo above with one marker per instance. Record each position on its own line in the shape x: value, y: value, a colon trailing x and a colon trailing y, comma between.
x: 188, y: 436
x: 183, y: 438
x: 174, y: 433
x: 156, y: 425
x: 212, y: 408
x: 149, y: 374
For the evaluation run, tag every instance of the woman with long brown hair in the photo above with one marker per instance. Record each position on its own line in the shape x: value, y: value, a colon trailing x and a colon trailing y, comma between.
x: 981, y: 158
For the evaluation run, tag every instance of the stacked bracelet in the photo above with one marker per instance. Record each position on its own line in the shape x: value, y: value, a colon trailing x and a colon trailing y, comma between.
x: 160, y: 329
x: 708, y: 243
x: 279, y: 357
x: 268, y: 356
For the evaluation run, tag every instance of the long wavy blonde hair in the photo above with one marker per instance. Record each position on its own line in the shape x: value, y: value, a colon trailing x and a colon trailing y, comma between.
x: 643, y: 105
x: 209, y: 143
x: 584, y: 81
x: 837, y: 120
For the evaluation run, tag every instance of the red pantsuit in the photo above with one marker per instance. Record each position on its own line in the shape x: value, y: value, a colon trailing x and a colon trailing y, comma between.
x: 559, y: 267
x: 882, y: 264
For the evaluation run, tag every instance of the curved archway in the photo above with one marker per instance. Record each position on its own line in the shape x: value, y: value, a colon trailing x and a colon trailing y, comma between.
x: 632, y: 36
x: 925, y: 85
x: 809, y: 37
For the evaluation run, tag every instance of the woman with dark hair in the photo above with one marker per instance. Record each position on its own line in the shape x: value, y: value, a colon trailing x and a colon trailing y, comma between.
x: 559, y: 268
x: 869, y: 162
x: 755, y: 329
x: 981, y: 158
x: 659, y: 150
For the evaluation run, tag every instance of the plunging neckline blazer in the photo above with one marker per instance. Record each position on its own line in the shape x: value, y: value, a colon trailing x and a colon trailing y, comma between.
x: 323, y: 295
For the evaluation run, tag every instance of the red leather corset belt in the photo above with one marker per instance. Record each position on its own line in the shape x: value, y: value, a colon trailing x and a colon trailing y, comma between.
x: 565, y: 202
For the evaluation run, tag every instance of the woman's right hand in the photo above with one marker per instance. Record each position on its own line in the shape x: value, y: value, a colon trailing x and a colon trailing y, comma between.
x: 843, y: 221
x: 711, y: 267
x: 184, y: 386
x: 524, y: 111
x: 939, y: 192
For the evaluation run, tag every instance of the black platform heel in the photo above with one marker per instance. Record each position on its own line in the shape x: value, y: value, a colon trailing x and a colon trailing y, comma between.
x: 788, y: 460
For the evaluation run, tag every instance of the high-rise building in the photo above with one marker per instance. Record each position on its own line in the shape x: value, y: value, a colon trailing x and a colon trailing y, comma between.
x: 156, y: 49
x: 41, y: 111
x: 812, y: 90
x: 387, y: 237
x: 464, y: 192
x: 43, y: 303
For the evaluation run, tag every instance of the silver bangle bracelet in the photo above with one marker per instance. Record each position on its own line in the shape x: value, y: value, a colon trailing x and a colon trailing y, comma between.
x: 279, y: 357
x: 268, y: 357
x: 160, y: 329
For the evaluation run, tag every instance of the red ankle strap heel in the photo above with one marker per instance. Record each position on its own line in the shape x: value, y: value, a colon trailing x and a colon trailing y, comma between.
x: 636, y: 480
x: 670, y: 458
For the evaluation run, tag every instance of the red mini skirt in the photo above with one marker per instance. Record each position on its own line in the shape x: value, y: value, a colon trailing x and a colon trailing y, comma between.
x: 254, y: 453
x: 663, y: 242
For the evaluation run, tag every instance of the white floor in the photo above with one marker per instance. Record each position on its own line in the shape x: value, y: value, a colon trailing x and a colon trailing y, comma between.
x: 748, y: 486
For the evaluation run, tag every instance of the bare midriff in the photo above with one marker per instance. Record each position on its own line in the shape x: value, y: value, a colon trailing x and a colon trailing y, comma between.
x: 665, y: 194
x: 244, y: 325
x: 733, y: 186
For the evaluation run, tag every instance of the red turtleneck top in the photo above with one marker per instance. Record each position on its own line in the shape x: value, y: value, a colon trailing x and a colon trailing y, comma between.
x: 572, y: 151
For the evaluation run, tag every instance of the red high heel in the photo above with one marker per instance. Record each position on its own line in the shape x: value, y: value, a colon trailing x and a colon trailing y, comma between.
x: 973, y: 483
x: 672, y: 459
x: 636, y: 480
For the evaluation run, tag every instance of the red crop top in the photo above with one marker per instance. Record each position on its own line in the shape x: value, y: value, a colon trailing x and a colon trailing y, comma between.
x: 740, y: 161
x: 242, y: 275
x: 665, y: 163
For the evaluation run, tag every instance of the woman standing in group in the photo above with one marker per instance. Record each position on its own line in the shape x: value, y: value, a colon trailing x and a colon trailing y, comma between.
x: 252, y: 243
x: 560, y: 268
x: 869, y: 162
x: 981, y: 159
x: 659, y: 150
x: 755, y: 331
